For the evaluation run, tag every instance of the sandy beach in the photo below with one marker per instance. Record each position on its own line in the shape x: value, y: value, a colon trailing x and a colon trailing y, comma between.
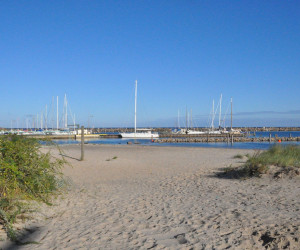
x: 151, y: 197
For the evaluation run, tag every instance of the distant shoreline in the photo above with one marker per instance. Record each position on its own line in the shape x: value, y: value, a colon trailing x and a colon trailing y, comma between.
x: 120, y: 129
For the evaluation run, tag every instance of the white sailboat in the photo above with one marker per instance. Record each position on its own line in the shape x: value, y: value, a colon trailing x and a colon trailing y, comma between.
x: 144, y: 133
x: 188, y: 130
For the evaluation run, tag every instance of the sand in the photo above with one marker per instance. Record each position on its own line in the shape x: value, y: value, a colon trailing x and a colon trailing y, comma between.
x: 144, y: 197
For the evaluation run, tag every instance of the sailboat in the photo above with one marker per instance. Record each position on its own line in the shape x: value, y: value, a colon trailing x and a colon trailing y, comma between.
x: 188, y: 130
x: 144, y: 133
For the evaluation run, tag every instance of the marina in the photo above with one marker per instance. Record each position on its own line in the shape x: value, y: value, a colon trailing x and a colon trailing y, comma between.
x: 150, y: 125
x: 246, y: 142
x: 249, y: 140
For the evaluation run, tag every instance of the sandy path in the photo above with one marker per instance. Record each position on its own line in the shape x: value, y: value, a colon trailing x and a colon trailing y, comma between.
x: 166, y: 198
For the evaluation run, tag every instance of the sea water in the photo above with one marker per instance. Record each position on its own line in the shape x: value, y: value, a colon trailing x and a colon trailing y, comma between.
x: 236, y: 145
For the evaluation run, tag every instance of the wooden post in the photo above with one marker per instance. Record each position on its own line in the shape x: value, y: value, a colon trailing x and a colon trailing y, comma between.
x: 227, y: 138
x: 270, y: 136
x: 82, y: 143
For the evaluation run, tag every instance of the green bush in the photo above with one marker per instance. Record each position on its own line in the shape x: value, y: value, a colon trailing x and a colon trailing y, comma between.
x: 26, y: 174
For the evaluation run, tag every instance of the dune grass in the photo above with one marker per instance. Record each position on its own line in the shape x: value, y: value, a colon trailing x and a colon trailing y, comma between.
x: 238, y: 156
x: 26, y: 175
x: 259, y: 163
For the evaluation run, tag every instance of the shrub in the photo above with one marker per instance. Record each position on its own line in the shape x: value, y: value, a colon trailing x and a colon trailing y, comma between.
x: 259, y: 163
x: 26, y: 174
x: 238, y: 156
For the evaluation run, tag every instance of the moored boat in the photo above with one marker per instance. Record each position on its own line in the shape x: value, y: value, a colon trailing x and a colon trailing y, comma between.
x: 146, y: 133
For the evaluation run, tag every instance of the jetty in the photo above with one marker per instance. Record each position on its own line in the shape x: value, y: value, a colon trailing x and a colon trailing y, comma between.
x: 73, y: 137
x: 227, y: 139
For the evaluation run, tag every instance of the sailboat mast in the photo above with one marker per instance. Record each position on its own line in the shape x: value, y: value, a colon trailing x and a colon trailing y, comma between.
x: 186, y: 119
x: 220, y: 112
x: 178, y: 120
x: 191, y: 125
x: 42, y: 120
x: 231, y: 112
x: 57, y: 112
x: 66, y: 114
x: 46, y: 122
x: 213, y: 115
x: 52, y: 113
x: 135, y: 107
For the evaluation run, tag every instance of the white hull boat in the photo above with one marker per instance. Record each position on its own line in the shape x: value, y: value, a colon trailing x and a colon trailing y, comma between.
x: 184, y: 131
x: 141, y: 135
x: 146, y: 133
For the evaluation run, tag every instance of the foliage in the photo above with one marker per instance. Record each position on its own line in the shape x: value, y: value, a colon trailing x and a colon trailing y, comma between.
x: 26, y: 174
x: 281, y: 156
x: 259, y: 162
x: 238, y: 156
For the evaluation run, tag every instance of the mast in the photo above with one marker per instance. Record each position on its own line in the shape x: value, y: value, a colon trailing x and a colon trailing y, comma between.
x: 66, y: 112
x: 231, y: 112
x: 46, y: 119
x: 186, y: 119
x: 135, y: 99
x: 52, y: 113
x: 191, y: 125
x: 213, y: 116
x: 220, y: 112
x: 178, y: 120
x: 42, y: 120
x: 57, y: 112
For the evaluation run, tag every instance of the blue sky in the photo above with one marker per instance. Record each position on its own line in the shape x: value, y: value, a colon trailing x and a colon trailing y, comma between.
x: 184, y: 54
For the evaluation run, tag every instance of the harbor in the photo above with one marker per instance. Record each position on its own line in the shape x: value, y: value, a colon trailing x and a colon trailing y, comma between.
x: 150, y: 125
x: 166, y: 136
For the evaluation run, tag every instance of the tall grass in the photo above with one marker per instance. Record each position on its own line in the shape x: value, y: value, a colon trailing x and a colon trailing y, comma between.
x: 281, y: 156
x: 26, y: 174
x: 259, y: 163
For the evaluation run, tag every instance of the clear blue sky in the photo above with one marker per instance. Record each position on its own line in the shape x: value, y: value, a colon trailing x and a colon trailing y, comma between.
x: 184, y: 54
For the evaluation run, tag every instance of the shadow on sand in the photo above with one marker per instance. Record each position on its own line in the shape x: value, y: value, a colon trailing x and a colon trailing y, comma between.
x: 26, y: 238
x: 70, y: 157
x: 231, y: 173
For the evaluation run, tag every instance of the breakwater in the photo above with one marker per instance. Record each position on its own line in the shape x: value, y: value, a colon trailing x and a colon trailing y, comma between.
x: 227, y: 139
x: 168, y: 130
x: 73, y: 137
x: 206, y: 135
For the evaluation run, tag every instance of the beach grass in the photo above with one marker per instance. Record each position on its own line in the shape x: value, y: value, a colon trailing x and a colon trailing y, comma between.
x: 238, y: 156
x: 260, y: 162
x: 26, y: 175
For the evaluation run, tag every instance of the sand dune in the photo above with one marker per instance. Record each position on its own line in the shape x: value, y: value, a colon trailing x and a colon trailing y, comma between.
x: 139, y: 197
